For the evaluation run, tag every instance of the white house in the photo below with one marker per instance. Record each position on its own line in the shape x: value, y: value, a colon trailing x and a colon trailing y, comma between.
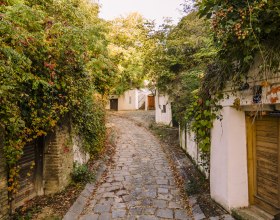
x: 163, y: 109
x: 133, y: 99
x: 245, y: 146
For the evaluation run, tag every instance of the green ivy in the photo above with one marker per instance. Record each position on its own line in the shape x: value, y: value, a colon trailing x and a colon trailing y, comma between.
x: 200, y: 117
x: 53, y: 60
x: 242, y: 30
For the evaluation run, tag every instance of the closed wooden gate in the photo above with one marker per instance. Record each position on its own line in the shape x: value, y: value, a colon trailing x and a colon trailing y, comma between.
x: 151, y: 102
x: 31, y: 172
x: 114, y: 104
x: 264, y: 157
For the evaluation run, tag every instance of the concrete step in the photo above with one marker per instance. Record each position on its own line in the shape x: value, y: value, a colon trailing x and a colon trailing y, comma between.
x: 251, y: 213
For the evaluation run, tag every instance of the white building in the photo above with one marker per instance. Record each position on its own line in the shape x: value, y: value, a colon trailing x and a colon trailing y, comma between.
x: 133, y: 99
x: 163, y: 109
x: 245, y: 147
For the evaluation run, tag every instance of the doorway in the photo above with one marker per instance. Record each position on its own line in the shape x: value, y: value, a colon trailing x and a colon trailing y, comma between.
x: 263, y: 162
x: 151, y: 102
x: 114, y: 104
x: 31, y: 173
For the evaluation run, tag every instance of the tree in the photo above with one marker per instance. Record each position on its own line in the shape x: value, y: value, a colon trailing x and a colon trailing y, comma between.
x: 128, y: 42
x: 179, y: 58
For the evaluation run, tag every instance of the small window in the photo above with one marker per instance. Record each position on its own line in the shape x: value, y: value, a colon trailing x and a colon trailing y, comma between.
x: 129, y: 99
x: 163, y: 109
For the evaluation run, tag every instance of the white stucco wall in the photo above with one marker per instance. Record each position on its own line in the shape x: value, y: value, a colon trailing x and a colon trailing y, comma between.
x: 161, y: 117
x: 228, y: 163
x: 80, y: 157
x: 189, y: 145
x: 183, y: 137
x: 228, y: 159
x: 124, y: 103
x: 138, y: 98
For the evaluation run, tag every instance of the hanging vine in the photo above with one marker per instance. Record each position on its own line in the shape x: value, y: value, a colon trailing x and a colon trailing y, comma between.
x: 53, y: 56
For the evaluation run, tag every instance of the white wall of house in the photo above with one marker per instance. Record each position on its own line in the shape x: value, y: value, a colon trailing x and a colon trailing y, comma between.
x: 189, y: 145
x: 129, y: 100
x: 228, y: 163
x: 163, y: 109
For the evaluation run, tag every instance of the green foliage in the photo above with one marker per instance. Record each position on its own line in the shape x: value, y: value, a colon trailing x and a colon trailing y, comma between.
x: 89, y: 121
x: 81, y: 174
x: 178, y: 60
x: 53, y: 58
x: 128, y: 42
x: 242, y: 30
x: 200, y: 116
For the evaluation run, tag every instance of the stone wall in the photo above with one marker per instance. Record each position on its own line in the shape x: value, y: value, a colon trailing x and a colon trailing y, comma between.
x: 58, y: 158
x: 4, y: 208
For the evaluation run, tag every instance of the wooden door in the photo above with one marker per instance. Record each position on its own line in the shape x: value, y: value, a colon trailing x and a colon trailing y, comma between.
x: 151, y: 102
x: 114, y: 104
x: 263, y: 163
x: 31, y: 173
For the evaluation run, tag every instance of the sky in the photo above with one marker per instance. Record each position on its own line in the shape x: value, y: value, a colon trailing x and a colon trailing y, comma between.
x: 150, y: 9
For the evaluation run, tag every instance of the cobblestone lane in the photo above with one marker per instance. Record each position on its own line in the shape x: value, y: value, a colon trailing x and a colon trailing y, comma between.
x: 141, y: 184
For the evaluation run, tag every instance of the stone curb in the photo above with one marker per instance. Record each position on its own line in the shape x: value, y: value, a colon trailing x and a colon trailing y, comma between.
x: 77, y: 208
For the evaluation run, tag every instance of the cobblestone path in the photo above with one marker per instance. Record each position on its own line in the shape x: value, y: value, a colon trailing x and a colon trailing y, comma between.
x: 141, y: 184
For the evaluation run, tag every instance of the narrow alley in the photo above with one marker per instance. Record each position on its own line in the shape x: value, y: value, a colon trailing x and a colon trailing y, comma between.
x: 141, y: 184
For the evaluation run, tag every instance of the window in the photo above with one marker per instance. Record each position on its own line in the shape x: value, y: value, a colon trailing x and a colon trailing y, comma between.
x: 163, y: 109
x: 129, y: 99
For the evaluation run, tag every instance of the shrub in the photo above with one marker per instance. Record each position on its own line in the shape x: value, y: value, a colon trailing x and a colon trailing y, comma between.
x: 81, y: 174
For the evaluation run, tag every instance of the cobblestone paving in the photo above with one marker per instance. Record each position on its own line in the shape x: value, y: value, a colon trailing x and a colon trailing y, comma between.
x: 141, y: 184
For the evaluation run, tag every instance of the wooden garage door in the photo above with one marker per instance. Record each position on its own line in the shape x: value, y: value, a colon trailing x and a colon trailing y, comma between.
x: 265, y: 158
x: 31, y: 172
x: 114, y: 104
x: 26, y: 175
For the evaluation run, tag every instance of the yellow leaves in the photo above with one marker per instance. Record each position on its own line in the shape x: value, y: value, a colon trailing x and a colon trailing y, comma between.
x: 53, y: 123
x: 10, y: 188
x: 41, y: 133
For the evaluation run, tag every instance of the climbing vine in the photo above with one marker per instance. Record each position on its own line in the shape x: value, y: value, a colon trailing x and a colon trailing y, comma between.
x: 242, y: 30
x: 179, y: 64
x: 53, y: 59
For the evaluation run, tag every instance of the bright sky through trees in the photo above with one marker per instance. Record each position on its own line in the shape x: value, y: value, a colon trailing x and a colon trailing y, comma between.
x: 150, y: 9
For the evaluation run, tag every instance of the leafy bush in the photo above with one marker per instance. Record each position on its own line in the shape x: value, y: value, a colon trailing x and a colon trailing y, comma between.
x: 53, y: 58
x: 81, y: 174
x: 89, y: 122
